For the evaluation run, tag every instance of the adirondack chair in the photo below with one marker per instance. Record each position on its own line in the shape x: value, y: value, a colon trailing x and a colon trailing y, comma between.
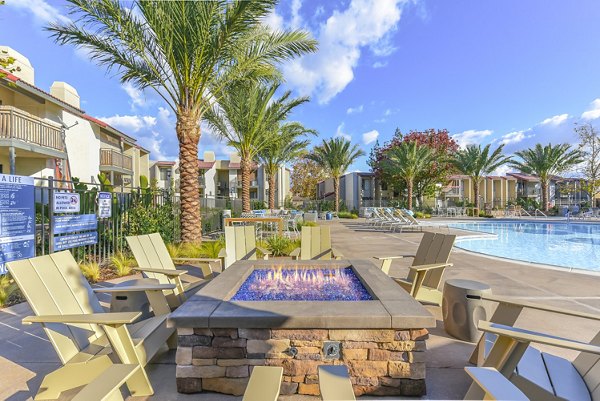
x: 315, y: 245
x: 335, y: 384
x: 86, y: 339
x: 264, y: 384
x: 154, y: 261
x: 426, y: 272
x: 240, y: 244
x: 540, y: 375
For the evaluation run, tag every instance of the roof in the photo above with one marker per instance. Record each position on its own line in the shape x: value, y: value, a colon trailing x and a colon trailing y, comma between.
x: 205, y: 165
x: 164, y: 163
x: 234, y: 166
x: 524, y: 177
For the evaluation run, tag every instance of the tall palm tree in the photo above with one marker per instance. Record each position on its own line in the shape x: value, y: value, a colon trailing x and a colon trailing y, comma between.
x: 335, y: 155
x: 284, y: 147
x: 546, y: 161
x: 407, y: 161
x: 246, y: 117
x: 476, y: 163
x: 186, y: 51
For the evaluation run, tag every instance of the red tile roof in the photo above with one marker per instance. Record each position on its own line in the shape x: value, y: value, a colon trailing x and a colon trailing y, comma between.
x: 524, y: 177
x: 205, y: 165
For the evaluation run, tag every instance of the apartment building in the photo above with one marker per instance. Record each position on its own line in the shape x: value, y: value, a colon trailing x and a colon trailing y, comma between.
x: 357, y: 189
x: 494, y: 191
x: 47, y: 134
x: 223, y: 178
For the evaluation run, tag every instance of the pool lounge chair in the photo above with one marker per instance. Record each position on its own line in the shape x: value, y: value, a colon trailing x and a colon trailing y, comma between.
x: 240, y: 244
x: 264, y: 384
x: 315, y: 245
x: 86, y: 339
x: 540, y: 375
x: 427, y: 270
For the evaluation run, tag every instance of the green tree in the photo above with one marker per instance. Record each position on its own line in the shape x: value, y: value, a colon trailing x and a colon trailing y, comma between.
x: 284, y: 147
x: 546, y: 161
x: 408, y: 161
x: 247, y: 116
x: 186, y: 51
x: 306, y: 174
x: 477, y: 162
x: 335, y: 155
x: 589, y: 144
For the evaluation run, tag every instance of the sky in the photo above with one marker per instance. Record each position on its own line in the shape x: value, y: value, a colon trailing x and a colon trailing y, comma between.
x: 507, y: 72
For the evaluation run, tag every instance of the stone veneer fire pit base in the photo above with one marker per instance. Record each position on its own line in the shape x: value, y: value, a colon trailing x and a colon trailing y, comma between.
x: 382, y: 341
x: 381, y: 362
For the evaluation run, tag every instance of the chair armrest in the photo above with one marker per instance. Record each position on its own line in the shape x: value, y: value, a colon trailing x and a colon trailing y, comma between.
x: 263, y: 250
x: 109, y: 319
x: 166, y: 272
x: 137, y: 288
x: 295, y: 253
x: 393, y: 257
x: 527, y: 336
x: 430, y: 267
x: 546, y: 308
x: 209, y: 260
x: 223, y: 253
x: 495, y: 384
x: 336, y: 254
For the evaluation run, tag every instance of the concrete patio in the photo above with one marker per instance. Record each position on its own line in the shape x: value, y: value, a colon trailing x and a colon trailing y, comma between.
x: 26, y: 355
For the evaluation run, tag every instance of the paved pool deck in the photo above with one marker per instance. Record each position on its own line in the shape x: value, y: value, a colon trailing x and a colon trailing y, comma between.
x: 26, y: 355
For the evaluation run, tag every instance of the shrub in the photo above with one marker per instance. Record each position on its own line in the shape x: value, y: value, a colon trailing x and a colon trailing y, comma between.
x: 419, y: 215
x: 347, y: 215
x: 278, y: 245
x: 7, y: 287
x: 310, y: 224
x: 91, y: 271
x: 189, y: 250
x: 211, y: 249
x: 122, y: 264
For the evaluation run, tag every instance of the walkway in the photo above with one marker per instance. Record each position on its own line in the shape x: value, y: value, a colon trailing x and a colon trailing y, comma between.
x: 26, y: 355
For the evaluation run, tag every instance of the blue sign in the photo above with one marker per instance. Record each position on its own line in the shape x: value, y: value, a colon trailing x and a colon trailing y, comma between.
x: 17, y: 219
x: 73, y: 223
x: 75, y: 240
x: 104, y: 205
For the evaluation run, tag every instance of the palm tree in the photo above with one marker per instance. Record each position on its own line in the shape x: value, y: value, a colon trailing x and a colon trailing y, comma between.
x: 186, y: 51
x: 246, y: 117
x: 476, y: 163
x: 284, y: 147
x: 335, y: 155
x: 546, y: 161
x: 407, y: 161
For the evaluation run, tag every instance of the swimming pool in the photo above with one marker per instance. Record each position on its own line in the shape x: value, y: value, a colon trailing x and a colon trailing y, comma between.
x: 558, y: 244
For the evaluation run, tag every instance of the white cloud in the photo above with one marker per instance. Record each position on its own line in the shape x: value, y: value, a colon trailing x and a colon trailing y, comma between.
x: 380, y: 64
x: 369, y: 137
x: 364, y: 23
x: 515, y: 137
x: 594, y: 112
x: 132, y: 123
x: 41, y: 10
x: 388, y: 112
x: 340, y: 132
x: 296, y: 21
x: 355, y: 110
x: 471, y: 137
x: 555, y: 120
x: 137, y: 96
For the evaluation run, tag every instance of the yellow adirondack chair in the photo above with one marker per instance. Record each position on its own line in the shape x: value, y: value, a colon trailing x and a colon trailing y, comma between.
x: 315, y: 245
x: 154, y: 261
x: 426, y: 272
x: 240, y: 244
x: 86, y: 339
x: 264, y: 384
x: 540, y: 375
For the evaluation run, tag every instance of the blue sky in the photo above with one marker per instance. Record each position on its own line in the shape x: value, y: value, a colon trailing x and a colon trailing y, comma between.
x: 505, y: 71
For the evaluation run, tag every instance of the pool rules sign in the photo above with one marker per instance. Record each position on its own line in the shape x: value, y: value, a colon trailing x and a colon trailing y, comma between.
x: 17, y: 219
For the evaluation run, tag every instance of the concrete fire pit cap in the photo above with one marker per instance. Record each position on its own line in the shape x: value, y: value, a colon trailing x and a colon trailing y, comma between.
x: 391, y: 307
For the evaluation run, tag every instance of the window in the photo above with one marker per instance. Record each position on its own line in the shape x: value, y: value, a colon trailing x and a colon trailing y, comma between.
x: 165, y: 174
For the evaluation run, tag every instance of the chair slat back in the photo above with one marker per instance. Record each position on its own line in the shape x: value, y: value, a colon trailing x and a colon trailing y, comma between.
x: 434, y: 277
x: 151, y: 252
x: 422, y: 251
x: 588, y: 366
x: 240, y: 244
x: 315, y: 243
x: 54, y: 285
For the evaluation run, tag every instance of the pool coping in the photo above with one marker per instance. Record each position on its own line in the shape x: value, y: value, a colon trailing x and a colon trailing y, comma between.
x: 392, y: 308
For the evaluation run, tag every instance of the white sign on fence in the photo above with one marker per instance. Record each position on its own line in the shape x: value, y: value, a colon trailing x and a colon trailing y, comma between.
x: 66, y: 202
x: 104, y: 205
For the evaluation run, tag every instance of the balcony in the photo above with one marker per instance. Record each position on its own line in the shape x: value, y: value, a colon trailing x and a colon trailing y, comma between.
x: 113, y: 160
x: 31, y: 134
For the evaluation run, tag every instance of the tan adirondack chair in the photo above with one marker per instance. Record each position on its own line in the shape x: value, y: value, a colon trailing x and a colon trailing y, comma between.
x: 154, y: 261
x: 427, y: 270
x: 240, y: 244
x: 335, y: 384
x: 86, y: 339
x: 315, y: 245
x: 264, y: 384
x: 540, y: 375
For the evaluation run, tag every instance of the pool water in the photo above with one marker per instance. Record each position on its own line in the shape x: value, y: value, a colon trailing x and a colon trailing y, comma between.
x: 301, y: 284
x: 558, y: 244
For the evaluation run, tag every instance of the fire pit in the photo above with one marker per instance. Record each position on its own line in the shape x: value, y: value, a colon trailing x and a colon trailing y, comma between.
x: 300, y: 315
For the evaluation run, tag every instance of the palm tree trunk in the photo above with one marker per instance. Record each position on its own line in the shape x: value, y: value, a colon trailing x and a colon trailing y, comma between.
x: 272, y: 184
x: 545, y: 195
x: 476, y: 195
x: 410, y: 194
x: 246, y: 166
x: 336, y: 189
x: 188, y: 133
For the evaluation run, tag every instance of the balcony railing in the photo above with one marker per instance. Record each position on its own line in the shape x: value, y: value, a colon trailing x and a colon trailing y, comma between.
x: 19, y: 125
x: 112, y: 159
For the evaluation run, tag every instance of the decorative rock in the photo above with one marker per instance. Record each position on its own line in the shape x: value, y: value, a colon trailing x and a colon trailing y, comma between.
x: 399, y: 345
x: 308, y: 389
x: 193, y: 341
x: 185, y: 331
x: 388, y: 381
x: 200, y: 371
x: 227, y: 342
x: 234, y: 386
x: 254, y: 334
x: 302, y: 343
x: 402, y: 335
x: 406, y: 370
x: 295, y: 367
x: 368, y: 368
x: 240, y: 362
x: 231, y: 333
x: 362, y: 335
x: 188, y: 385
x: 203, y: 332
x: 288, y: 388
x: 311, y: 379
x: 204, y: 362
x: 355, y: 354
x: 183, y: 356
x: 230, y: 353
x: 302, y: 335
x: 359, y: 344
x: 365, y: 381
x: 386, y: 355
x: 237, y: 371
x: 420, y: 334
x: 297, y: 379
x: 413, y: 357
x: 267, y: 346
x: 204, y: 352
x: 413, y: 388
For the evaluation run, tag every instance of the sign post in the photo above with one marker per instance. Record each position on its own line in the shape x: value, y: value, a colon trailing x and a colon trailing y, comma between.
x: 17, y: 219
